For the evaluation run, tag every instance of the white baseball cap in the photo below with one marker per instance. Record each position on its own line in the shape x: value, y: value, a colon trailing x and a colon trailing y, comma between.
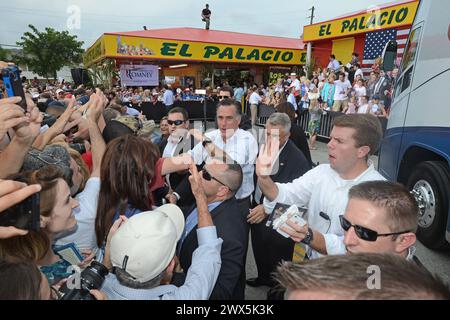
x: 293, y: 74
x: 145, y: 244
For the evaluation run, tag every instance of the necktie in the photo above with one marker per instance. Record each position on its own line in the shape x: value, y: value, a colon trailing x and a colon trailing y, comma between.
x: 299, y: 253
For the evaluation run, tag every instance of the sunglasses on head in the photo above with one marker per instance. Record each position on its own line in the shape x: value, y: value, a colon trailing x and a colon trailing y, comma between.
x: 207, y: 176
x: 176, y: 122
x: 365, y: 233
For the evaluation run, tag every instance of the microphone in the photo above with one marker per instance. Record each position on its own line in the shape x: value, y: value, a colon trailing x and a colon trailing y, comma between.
x: 324, y: 215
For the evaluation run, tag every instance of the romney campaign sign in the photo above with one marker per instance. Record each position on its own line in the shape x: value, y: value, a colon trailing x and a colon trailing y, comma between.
x: 139, y: 75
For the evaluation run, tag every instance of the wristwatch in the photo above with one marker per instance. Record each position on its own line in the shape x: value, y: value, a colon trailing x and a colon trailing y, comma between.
x: 205, y: 142
x: 309, y: 237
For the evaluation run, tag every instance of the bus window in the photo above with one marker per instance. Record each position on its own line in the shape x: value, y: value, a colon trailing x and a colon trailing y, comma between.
x: 409, y: 55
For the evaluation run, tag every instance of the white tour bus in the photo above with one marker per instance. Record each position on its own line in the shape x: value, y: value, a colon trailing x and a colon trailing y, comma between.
x: 416, y: 148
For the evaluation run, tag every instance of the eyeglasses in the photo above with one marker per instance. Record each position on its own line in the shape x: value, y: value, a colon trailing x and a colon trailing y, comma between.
x: 207, y: 176
x: 364, y: 233
x: 224, y: 97
x: 176, y: 122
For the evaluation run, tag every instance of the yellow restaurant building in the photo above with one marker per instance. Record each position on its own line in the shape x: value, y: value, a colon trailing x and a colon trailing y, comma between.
x: 347, y: 34
x: 183, y: 53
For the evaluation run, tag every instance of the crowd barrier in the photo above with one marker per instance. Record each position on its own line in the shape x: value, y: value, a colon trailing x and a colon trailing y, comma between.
x: 326, y: 120
x: 195, y: 109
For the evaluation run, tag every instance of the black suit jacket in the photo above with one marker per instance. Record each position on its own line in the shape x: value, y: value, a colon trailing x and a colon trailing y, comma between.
x: 269, y: 247
x: 298, y: 136
x: 230, y: 225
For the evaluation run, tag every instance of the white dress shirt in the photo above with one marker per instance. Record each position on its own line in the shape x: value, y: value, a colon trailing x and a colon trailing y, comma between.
x: 255, y: 98
x: 322, y: 190
x: 241, y: 147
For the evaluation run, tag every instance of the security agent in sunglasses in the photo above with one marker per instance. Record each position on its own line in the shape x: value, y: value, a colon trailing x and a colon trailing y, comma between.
x: 324, y: 189
x: 179, y: 142
x: 220, y: 183
x: 381, y: 217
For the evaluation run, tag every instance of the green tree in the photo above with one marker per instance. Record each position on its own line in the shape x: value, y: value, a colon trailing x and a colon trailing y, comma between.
x: 47, y: 52
x: 3, y: 54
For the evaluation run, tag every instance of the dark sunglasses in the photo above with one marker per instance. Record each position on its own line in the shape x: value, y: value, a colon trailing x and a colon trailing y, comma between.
x: 176, y: 122
x: 207, y: 176
x: 224, y: 97
x: 364, y: 233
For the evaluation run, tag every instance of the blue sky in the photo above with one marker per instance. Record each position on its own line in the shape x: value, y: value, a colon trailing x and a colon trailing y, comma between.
x: 265, y: 17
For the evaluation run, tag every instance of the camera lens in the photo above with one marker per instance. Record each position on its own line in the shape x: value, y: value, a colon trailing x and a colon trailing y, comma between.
x: 94, y: 275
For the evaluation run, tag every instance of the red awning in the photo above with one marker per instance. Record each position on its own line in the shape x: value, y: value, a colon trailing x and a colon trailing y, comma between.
x: 215, y: 36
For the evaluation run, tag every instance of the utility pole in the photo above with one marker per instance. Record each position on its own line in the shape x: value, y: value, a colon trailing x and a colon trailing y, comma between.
x: 312, y: 14
x: 309, y: 47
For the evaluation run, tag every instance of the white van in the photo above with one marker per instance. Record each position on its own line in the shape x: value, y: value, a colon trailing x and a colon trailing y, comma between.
x: 416, y: 147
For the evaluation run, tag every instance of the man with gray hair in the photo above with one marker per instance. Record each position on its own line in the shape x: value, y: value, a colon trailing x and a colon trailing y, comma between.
x: 269, y: 247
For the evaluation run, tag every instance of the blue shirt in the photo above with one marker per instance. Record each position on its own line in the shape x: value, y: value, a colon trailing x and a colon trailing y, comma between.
x: 57, y: 271
x: 192, y: 221
x: 168, y: 97
x: 200, y: 280
x: 132, y: 112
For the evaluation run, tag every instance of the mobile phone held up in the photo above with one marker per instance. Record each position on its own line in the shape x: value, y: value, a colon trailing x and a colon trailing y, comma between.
x: 13, y: 84
x: 24, y: 215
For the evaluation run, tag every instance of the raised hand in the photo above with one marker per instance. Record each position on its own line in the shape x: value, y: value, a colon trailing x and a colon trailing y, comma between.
x: 11, y: 193
x: 268, y: 153
x: 196, y: 184
x: 11, y: 114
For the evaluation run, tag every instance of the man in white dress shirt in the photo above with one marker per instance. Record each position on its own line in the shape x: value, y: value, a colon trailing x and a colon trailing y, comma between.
x: 324, y: 189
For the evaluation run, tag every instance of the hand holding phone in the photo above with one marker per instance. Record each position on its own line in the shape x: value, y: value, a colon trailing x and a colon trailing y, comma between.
x: 19, y: 207
x: 13, y: 84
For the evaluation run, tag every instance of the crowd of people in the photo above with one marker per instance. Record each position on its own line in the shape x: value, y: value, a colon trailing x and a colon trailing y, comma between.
x: 169, y: 212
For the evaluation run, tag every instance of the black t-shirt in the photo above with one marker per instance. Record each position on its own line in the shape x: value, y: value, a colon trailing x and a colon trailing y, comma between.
x: 206, y: 12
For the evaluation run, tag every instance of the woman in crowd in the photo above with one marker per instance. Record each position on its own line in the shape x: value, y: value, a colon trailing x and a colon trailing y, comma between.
x: 56, y: 205
x: 164, y: 128
x: 127, y: 170
x: 130, y: 172
x: 327, y: 93
x: 23, y: 281
x: 359, y: 90
x: 315, y: 112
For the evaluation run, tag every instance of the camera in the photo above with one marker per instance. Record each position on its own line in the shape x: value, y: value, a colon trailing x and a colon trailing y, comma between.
x: 13, y: 84
x: 24, y: 215
x: 90, y: 278
x: 80, y: 147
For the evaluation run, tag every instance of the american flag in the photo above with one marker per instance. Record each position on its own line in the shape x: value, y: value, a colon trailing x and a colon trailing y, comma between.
x: 375, y: 43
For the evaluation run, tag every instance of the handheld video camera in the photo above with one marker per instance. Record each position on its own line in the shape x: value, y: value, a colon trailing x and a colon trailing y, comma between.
x: 13, y: 84
x: 24, y: 215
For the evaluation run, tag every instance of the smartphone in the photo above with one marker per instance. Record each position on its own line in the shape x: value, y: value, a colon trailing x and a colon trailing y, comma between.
x: 13, y: 84
x: 24, y: 215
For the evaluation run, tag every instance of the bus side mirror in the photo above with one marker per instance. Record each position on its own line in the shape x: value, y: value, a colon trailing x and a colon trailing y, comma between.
x: 389, y: 55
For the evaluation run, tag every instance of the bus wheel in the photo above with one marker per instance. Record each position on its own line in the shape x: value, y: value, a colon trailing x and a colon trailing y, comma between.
x: 430, y: 185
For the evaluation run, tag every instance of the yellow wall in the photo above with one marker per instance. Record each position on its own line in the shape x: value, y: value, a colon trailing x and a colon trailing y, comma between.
x: 343, y: 49
x: 373, y: 19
